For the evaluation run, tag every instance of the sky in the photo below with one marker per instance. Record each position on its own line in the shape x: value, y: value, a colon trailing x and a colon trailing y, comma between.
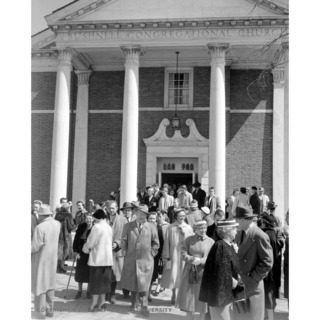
x: 41, y: 8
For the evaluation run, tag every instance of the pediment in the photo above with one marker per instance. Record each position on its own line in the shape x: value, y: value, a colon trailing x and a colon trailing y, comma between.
x: 161, y: 138
x: 43, y: 40
x: 165, y: 10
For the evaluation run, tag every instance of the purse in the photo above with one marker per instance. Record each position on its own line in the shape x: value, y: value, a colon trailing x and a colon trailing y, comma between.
x: 241, y: 303
x: 193, y: 274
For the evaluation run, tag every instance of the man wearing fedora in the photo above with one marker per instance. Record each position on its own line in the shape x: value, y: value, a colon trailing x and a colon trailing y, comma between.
x: 140, y: 244
x: 255, y: 259
x: 255, y: 201
x: 127, y: 211
x: 44, y: 249
x: 199, y: 194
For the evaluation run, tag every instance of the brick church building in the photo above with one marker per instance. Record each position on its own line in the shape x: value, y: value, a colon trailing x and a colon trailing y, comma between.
x: 115, y: 106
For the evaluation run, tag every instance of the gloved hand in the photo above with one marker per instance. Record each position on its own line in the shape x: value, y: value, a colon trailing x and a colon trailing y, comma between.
x: 196, y: 261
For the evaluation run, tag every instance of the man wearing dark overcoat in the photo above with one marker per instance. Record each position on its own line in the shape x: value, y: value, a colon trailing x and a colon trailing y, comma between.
x: 140, y: 244
x: 255, y: 201
x: 255, y: 258
x: 199, y: 194
x: 44, y: 249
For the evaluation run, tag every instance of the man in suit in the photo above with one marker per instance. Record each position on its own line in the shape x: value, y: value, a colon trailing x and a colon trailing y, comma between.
x: 212, y: 201
x: 172, y: 209
x: 150, y: 200
x: 199, y: 194
x: 116, y: 223
x: 141, y: 195
x: 184, y: 197
x: 255, y: 201
x: 140, y: 243
x: 255, y: 259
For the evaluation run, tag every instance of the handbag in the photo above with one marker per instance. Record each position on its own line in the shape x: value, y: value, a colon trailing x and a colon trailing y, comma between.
x: 193, y: 275
x: 241, y: 302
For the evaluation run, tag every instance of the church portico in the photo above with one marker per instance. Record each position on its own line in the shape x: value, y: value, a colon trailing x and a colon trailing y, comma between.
x: 130, y: 95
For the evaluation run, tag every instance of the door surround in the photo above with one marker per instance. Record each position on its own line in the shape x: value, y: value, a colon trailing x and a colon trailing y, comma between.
x: 161, y: 146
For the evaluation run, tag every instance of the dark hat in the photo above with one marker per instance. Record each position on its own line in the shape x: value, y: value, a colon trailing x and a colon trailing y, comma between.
x: 243, y: 189
x: 270, y: 220
x: 254, y: 188
x: 99, y: 214
x: 227, y: 223
x: 197, y: 184
x: 244, y: 213
x: 271, y: 205
x: 127, y: 205
x: 65, y: 207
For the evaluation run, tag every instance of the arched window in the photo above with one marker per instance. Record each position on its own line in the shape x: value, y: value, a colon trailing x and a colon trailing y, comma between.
x: 169, y: 166
x: 187, y: 166
x: 173, y: 166
x: 191, y: 166
x: 164, y: 166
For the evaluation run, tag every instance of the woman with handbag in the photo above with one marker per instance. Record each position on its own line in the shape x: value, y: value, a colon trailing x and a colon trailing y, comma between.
x: 220, y: 276
x: 195, y: 250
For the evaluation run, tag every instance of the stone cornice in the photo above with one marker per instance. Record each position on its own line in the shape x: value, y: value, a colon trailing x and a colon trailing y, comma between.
x: 63, y: 26
x: 270, y: 6
x: 79, y: 8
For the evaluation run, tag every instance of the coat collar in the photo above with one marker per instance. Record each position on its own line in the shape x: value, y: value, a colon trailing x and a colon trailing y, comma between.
x: 249, y: 242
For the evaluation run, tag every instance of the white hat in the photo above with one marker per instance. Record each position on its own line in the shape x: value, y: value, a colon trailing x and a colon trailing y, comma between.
x: 205, y: 210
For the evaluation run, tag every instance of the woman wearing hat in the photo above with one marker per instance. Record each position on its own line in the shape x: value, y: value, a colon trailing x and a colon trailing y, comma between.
x: 171, y: 253
x: 195, y: 250
x: 99, y: 247
x: 65, y: 242
x: 83, y: 270
x: 221, y: 271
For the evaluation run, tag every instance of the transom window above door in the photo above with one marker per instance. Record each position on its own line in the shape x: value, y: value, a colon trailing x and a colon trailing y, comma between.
x: 178, y: 88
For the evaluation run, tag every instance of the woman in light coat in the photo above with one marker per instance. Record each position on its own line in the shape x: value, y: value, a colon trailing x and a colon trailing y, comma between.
x: 99, y: 247
x: 195, y: 250
x: 171, y: 253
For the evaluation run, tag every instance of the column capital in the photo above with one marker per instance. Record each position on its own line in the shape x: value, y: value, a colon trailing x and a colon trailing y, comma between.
x: 132, y: 54
x: 217, y: 51
x: 83, y: 76
x: 278, y: 75
x: 65, y: 57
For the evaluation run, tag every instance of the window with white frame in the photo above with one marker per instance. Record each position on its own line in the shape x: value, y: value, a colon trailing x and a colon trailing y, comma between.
x: 179, y: 88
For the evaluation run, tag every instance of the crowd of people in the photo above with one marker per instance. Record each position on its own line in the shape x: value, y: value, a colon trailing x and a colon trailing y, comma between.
x: 220, y: 259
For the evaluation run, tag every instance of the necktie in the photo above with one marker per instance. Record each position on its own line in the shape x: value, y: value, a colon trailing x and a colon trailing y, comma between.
x: 242, y: 237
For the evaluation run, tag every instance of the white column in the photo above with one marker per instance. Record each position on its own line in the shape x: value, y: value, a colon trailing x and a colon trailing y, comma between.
x: 60, y: 141
x: 278, y: 142
x: 81, y: 140
x: 217, y: 124
x: 285, y: 48
x: 130, y: 125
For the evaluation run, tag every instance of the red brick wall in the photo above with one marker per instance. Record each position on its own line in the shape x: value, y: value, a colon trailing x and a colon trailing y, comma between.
x: 43, y: 86
x: 41, y: 143
x: 104, y: 155
x: 106, y: 90
x: 249, y: 136
x: 249, y: 150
